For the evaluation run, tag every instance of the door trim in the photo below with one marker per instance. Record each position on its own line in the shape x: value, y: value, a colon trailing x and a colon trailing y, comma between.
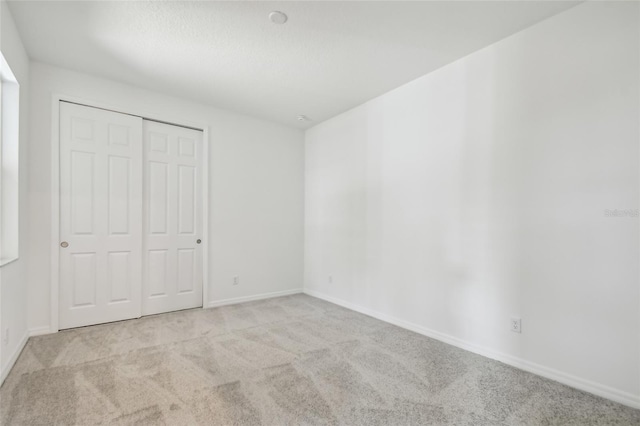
x: 56, y: 98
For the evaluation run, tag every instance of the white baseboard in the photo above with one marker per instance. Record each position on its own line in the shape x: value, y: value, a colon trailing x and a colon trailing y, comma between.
x: 39, y: 331
x: 616, y: 395
x: 14, y: 357
x: 235, y: 300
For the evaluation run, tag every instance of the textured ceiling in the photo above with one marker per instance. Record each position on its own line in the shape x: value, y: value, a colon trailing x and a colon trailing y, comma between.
x: 329, y: 56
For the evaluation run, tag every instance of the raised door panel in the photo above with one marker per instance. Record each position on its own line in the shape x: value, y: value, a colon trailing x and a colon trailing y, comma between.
x: 83, y: 277
x: 119, y: 276
x: 158, y: 197
x: 187, y: 200
x: 82, y: 192
x: 186, y: 270
x: 119, y: 195
x: 157, y: 273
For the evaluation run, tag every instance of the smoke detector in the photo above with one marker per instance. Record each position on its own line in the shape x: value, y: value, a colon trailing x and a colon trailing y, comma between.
x: 278, y: 17
x: 302, y: 118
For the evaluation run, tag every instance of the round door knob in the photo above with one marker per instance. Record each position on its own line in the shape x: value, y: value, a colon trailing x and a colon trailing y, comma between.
x: 198, y: 241
x: 64, y: 244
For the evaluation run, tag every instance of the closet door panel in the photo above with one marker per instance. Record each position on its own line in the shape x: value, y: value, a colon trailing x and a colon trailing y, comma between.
x: 173, y: 218
x: 100, y: 216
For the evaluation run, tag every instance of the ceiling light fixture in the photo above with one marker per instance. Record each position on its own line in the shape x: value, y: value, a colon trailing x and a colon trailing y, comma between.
x: 302, y: 118
x: 278, y: 17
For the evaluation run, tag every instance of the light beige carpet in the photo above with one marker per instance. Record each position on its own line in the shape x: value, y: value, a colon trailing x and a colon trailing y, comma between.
x: 285, y: 361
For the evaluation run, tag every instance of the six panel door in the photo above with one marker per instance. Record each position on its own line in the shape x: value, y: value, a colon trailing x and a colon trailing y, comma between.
x: 172, y: 276
x: 100, y: 220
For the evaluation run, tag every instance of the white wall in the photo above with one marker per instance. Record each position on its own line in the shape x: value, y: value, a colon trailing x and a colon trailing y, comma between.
x: 13, y: 285
x: 255, y: 189
x: 477, y: 193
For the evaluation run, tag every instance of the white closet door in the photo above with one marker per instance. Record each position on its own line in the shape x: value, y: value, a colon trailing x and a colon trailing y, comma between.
x: 172, y: 273
x: 100, y: 216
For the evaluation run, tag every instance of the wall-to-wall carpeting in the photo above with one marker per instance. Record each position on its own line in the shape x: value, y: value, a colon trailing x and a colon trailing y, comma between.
x: 289, y: 360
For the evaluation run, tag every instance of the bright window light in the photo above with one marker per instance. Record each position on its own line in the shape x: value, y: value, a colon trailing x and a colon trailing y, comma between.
x: 9, y: 128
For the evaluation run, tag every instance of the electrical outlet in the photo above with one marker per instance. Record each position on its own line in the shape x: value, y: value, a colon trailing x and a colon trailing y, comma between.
x: 5, y: 336
x: 516, y: 325
x: 330, y: 279
x: 236, y: 280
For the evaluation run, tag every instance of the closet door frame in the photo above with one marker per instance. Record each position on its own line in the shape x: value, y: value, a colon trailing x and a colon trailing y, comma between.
x: 54, y: 242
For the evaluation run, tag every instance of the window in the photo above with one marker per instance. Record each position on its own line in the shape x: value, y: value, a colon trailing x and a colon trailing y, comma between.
x: 9, y: 147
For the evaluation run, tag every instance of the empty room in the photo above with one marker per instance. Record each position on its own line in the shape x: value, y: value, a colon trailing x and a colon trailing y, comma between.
x: 319, y: 212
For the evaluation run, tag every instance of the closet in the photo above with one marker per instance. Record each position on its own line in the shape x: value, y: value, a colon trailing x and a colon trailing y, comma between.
x: 130, y: 216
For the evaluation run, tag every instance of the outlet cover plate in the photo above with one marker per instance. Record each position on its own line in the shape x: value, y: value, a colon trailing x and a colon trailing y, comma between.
x: 516, y: 325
